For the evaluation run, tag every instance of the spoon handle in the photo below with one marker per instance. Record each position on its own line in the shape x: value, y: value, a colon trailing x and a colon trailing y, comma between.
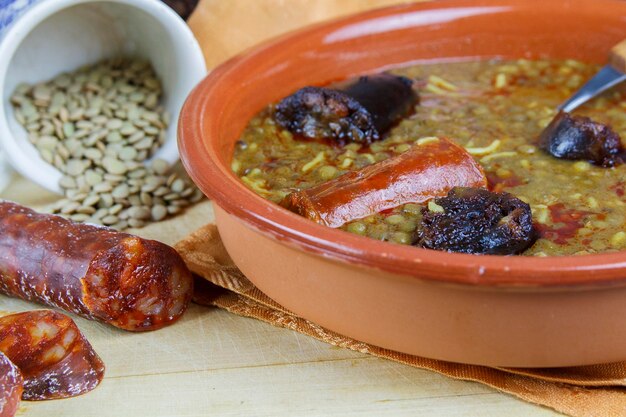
x: 609, y: 75
x: 617, y: 56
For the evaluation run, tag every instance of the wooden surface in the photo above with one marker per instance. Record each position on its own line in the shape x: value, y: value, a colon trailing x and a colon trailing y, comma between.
x: 215, y: 363
x: 617, y: 57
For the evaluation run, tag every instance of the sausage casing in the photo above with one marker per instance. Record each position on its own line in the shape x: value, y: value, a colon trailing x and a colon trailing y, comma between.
x: 96, y: 272
x: 11, y: 386
x: 54, y: 358
x: 429, y: 169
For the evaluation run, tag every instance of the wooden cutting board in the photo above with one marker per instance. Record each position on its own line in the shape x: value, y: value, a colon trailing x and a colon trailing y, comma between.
x: 215, y: 363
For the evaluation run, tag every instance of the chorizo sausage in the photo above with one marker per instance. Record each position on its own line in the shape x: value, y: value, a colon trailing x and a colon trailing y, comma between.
x: 430, y: 168
x: 54, y: 358
x: 360, y: 110
x: 96, y: 272
x: 11, y: 387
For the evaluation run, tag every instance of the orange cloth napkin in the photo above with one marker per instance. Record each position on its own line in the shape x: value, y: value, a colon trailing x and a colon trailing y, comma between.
x: 598, y: 390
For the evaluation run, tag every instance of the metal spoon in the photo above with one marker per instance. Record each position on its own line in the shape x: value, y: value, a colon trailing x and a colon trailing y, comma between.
x: 609, y: 76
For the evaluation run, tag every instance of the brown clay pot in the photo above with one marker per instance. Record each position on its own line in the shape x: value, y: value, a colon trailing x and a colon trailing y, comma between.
x: 489, y: 310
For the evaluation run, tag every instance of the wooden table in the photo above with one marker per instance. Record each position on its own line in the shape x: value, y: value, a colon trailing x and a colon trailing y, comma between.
x: 215, y: 363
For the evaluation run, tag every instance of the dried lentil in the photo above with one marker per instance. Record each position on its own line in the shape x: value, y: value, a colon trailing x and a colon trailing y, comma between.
x: 98, y: 126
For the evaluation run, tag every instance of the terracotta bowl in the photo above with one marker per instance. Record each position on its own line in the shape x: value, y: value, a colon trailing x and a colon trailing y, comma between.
x: 489, y: 310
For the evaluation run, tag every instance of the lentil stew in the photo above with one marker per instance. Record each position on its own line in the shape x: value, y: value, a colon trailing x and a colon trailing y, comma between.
x: 496, y: 110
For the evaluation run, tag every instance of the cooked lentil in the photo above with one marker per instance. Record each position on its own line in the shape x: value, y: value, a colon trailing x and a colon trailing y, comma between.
x: 496, y: 110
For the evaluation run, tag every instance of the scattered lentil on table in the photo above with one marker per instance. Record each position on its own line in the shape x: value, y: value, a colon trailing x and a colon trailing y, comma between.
x: 99, y: 125
x: 496, y: 110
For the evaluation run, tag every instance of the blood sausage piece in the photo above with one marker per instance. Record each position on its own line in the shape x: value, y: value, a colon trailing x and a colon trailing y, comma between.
x: 478, y: 221
x: 388, y: 98
x: 361, y: 111
x: 580, y: 138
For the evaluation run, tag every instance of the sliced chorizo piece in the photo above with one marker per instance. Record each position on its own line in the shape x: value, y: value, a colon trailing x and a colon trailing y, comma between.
x: 478, y: 221
x: 11, y: 387
x: 360, y: 111
x: 54, y: 358
x: 96, y: 272
x: 580, y: 138
x: 430, y: 168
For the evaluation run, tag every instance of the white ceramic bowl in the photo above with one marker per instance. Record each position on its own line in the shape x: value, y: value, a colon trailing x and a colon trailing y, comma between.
x: 56, y: 36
